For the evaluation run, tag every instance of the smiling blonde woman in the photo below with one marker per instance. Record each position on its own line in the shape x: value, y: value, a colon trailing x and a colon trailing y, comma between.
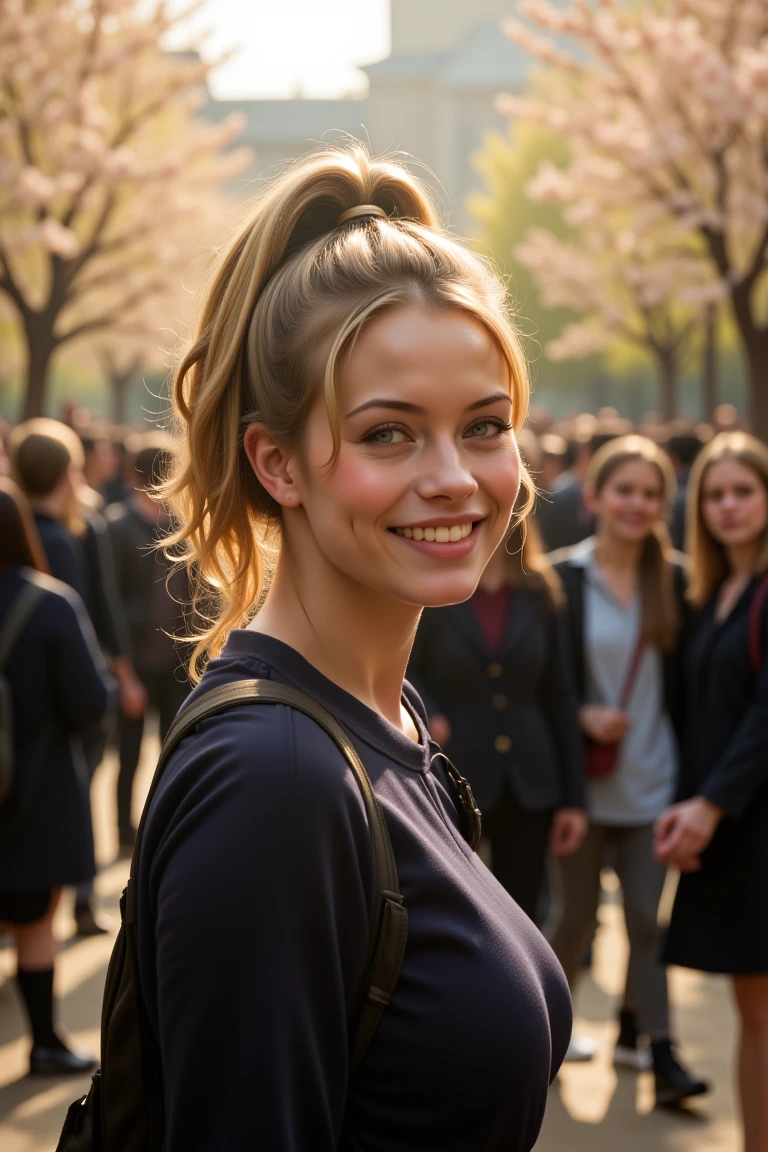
x: 348, y: 412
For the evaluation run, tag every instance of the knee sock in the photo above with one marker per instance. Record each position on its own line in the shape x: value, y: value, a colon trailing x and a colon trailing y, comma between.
x: 36, y: 989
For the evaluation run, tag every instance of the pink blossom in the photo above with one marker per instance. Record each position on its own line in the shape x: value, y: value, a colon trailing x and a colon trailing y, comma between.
x: 36, y: 189
x: 57, y: 239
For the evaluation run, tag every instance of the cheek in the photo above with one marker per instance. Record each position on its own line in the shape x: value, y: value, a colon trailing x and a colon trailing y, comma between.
x: 757, y: 509
x: 359, y: 489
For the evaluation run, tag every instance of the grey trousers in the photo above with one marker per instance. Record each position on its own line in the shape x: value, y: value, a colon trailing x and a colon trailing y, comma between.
x: 642, y: 879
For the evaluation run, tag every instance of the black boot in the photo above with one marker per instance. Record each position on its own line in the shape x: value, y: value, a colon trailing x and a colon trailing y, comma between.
x: 673, y: 1082
x: 630, y: 1051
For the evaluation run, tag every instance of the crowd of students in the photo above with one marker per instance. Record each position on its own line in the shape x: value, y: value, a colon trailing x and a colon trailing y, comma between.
x: 605, y: 695
x: 87, y: 617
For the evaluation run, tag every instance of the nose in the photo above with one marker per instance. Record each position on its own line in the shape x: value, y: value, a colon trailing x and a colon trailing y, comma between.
x: 446, y: 475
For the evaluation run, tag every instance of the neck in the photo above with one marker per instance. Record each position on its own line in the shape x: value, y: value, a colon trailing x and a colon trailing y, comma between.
x: 612, y: 552
x: 741, y: 560
x: 52, y: 506
x: 358, y: 638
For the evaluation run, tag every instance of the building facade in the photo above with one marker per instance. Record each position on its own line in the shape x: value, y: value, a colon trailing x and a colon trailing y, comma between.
x: 431, y: 99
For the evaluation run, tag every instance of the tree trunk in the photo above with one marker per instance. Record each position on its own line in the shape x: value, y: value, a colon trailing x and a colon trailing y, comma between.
x: 667, y: 376
x: 40, y: 345
x: 755, y: 344
x: 709, y: 363
x: 118, y: 383
x: 757, y: 362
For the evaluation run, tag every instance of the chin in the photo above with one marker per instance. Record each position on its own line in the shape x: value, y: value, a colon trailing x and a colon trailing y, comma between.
x: 439, y: 594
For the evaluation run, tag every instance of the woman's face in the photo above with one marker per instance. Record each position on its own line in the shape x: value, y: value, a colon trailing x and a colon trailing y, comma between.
x: 631, y: 501
x: 428, y: 470
x: 734, y: 503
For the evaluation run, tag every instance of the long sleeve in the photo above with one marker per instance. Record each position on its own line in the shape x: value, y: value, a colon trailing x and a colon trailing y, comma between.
x: 259, y: 888
x: 81, y: 687
x: 559, y: 702
x: 742, y: 769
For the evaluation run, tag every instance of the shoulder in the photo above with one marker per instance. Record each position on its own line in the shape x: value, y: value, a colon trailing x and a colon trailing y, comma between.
x: 268, y: 755
x: 567, y: 560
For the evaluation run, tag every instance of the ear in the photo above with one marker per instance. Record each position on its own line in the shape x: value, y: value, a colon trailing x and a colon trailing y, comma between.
x: 273, y: 465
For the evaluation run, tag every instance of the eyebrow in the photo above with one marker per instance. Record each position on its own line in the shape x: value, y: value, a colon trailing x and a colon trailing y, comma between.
x: 405, y: 406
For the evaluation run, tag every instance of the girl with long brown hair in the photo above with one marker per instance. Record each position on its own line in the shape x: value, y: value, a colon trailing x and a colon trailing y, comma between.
x: 58, y: 688
x: 347, y: 418
x: 717, y: 833
x: 625, y: 607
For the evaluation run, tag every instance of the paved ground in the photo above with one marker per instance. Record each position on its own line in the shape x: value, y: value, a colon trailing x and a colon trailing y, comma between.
x: 591, y: 1108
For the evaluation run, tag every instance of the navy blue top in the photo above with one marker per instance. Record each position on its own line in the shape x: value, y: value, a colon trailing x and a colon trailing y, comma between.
x: 59, y: 688
x: 255, y: 892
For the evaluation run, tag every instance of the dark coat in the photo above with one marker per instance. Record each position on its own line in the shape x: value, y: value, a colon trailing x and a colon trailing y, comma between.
x: 673, y: 662
x: 255, y: 892
x: 139, y: 566
x: 562, y: 518
x: 720, y: 916
x: 513, y: 714
x: 59, y: 689
x: 86, y: 565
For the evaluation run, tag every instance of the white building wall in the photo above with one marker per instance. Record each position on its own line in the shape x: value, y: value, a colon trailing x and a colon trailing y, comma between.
x: 435, y: 25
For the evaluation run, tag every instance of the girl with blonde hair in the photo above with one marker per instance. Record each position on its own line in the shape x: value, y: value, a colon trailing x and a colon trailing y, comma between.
x: 626, y: 613
x: 717, y: 833
x: 347, y: 413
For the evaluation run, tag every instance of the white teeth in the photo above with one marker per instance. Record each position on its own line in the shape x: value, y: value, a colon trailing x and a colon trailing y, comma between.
x: 442, y: 535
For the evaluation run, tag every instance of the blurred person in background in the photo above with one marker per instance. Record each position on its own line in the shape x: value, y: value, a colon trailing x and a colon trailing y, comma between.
x: 717, y: 833
x: 47, y: 461
x: 683, y: 444
x: 99, y: 462
x: 59, y: 689
x: 495, y: 676
x: 626, y: 610
x: 556, y: 458
x: 119, y: 485
x: 153, y: 597
x: 561, y: 513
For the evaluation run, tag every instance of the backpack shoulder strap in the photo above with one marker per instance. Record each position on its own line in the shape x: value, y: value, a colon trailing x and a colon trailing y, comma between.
x: 18, y: 616
x: 756, y: 626
x: 389, y: 926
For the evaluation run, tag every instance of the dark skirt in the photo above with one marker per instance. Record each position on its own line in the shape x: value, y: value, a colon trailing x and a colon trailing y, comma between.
x: 719, y: 920
x: 24, y: 907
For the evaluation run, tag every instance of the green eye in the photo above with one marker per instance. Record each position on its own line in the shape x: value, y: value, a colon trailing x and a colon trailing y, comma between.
x: 483, y: 428
x: 384, y: 436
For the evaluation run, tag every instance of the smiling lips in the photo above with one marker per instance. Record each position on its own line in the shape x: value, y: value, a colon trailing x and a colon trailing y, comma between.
x: 438, y: 535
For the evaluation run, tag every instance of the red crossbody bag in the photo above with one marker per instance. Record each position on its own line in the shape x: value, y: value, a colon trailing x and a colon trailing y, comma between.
x: 601, y: 759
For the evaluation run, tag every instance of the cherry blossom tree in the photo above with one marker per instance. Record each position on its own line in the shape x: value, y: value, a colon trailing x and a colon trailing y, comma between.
x: 104, y: 168
x: 628, y: 276
x: 665, y: 107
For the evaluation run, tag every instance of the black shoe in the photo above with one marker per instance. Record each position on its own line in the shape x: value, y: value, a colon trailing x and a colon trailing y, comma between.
x: 673, y: 1082
x: 87, y: 923
x: 59, y: 1061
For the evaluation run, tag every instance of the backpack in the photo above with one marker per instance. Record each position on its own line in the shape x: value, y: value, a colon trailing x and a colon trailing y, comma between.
x: 19, y: 614
x: 123, y: 1111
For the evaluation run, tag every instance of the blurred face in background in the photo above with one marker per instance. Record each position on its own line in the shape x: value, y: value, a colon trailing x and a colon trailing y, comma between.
x: 734, y: 504
x: 630, y: 502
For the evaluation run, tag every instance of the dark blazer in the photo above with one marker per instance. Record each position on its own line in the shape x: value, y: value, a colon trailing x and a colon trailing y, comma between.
x: 572, y: 576
x: 513, y: 714
x: 59, y: 688
x: 139, y: 566
x: 562, y: 518
x: 726, y: 747
x: 62, y: 552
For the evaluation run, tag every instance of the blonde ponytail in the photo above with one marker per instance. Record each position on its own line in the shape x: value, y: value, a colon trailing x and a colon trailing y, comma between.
x: 294, y: 281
